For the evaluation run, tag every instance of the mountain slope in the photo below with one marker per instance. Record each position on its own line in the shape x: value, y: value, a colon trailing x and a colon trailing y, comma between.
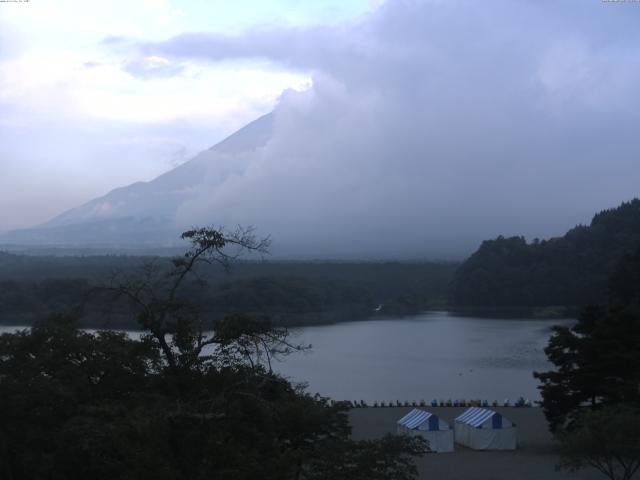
x: 571, y: 270
x: 145, y: 212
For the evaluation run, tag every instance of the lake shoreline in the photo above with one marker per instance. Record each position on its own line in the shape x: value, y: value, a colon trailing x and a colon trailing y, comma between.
x: 25, y: 321
x: 558, y: 312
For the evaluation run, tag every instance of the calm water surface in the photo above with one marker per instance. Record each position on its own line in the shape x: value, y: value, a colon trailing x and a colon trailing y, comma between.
x: 433, y: 355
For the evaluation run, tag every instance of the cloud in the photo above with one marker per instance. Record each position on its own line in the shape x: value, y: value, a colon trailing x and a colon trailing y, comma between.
x: 433, y: 125
x: 299, y: 47
x: 429, y: 125
x: 153, y: 66
x: 115, y: 40
x: 78, y: 119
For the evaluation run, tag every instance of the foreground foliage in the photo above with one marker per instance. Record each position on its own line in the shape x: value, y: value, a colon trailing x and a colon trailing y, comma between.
x: 592, y: 398
x: 598, y: 359
x: 176, y: 403
x: 607, y: 440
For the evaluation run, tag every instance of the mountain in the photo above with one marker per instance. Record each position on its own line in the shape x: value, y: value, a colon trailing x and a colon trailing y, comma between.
x: 145, y: 212
x: 567, y: 271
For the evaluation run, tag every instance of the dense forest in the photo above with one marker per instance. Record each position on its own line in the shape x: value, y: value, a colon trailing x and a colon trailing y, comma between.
x: 566, y: 271
x: 290, y: 293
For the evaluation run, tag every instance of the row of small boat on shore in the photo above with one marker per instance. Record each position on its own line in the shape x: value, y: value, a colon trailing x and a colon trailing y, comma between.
x: 521, y: 402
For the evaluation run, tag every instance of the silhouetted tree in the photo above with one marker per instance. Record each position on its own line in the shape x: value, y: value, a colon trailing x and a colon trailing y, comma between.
x: 598, y: 359
x: 172, y: 321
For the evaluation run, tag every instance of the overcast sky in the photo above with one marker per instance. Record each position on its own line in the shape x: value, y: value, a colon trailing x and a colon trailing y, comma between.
x: 407, y: 122
x: 81, y: 113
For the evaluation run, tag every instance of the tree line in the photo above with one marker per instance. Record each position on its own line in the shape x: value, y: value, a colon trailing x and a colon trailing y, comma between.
x: 291, y: 293
x: 571, y: 270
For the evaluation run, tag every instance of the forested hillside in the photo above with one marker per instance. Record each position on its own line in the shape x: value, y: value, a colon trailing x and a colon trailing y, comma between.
x: 567, y: 271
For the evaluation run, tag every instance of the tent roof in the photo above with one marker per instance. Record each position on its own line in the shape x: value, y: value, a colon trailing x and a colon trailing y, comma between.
x: 415, y: 418
x: 475, y: 416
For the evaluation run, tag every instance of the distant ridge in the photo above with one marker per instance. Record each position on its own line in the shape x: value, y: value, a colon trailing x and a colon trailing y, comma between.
x: 143, y: 213
x: 572, y: 270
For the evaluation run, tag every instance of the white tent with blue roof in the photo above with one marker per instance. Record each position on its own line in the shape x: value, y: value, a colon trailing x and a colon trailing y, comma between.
x: 425, y: 424
x: 483, y: 429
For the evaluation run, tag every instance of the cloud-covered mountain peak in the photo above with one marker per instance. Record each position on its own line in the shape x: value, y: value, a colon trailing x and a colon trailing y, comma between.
x: 114, y: 215
x: 427, y: 127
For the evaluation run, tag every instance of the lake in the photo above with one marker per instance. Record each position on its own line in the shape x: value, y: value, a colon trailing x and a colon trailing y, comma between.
x: 433, y: 355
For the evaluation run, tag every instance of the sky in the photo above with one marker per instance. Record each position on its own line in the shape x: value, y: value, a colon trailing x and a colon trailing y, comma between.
x: 400, y: 126
x: 81, y: 113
